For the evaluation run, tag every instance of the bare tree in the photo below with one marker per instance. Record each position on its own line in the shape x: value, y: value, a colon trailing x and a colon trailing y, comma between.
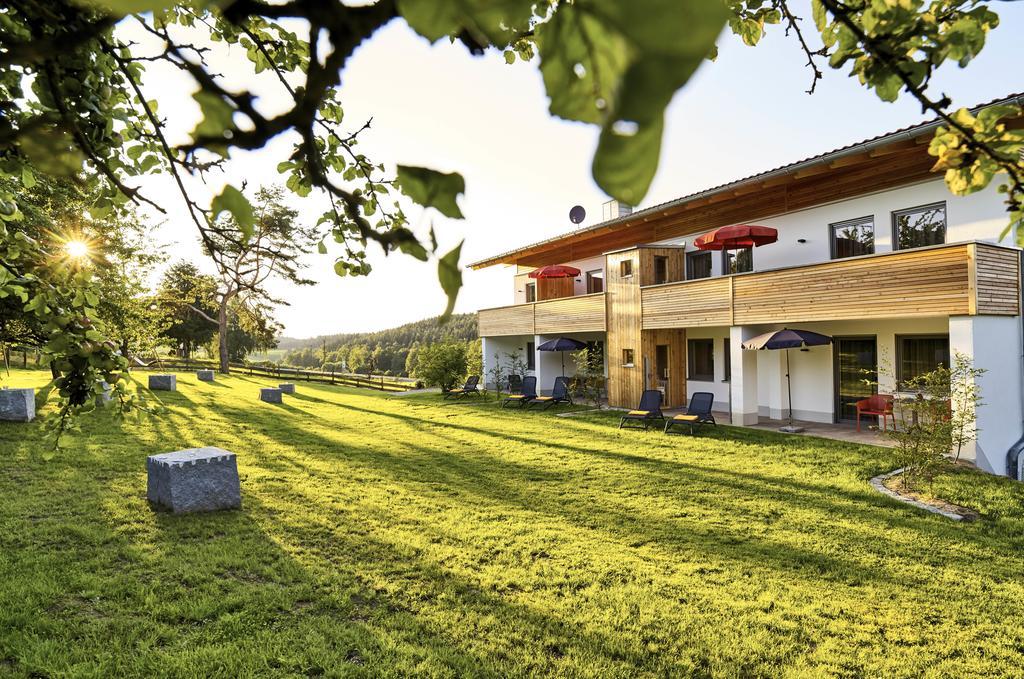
x: 246, y: 261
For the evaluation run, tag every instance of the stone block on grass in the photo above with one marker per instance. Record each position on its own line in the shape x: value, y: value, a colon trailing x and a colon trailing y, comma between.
x: 287, y: 387
x: 17, y: 405
x: 103, y: 398
x: 205, y: 375
x: 271, y: 395
x: 194, y: 480
x: 163, y: 382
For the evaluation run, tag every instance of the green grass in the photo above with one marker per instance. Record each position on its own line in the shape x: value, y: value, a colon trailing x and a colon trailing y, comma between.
x: 387, y: 535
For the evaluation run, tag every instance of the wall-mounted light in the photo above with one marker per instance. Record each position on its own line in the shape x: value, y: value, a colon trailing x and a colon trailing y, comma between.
x: 801, y: 240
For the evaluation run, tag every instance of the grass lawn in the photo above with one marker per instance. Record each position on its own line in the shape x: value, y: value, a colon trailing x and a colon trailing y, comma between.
x: 388, y: 535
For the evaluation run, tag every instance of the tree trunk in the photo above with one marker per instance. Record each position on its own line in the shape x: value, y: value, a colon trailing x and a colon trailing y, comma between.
x: 222, y: 340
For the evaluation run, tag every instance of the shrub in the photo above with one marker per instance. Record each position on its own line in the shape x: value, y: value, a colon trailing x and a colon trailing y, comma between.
x: 442, y: 365
x: 938, y: 419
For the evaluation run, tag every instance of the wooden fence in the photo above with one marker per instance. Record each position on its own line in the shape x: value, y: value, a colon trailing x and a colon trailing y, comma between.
x: 378, y: 382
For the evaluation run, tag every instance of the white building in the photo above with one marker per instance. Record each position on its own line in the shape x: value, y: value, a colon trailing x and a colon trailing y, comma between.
x: 872, y: 250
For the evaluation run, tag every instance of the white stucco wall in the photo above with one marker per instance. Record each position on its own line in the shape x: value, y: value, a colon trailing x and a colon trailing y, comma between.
x: 502, y: 346
x: 549, y: 363
x: 579, y: 283
x: 719, y: 387
x: 980, y: 216
x: 995, y: 344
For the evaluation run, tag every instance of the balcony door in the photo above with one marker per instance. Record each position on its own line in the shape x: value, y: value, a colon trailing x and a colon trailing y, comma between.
x: 856, y: 360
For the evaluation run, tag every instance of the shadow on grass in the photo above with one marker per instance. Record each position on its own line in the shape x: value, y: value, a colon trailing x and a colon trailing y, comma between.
x: 493, y: 479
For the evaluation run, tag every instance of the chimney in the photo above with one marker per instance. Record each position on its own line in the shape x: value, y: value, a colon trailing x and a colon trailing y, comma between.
x: 613, y: 209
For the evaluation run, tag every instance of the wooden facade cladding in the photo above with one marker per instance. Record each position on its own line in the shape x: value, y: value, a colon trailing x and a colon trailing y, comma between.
x: 944, y: 280
x: 584, y: 313
x: 506, y: 320
x: 622, y: 294
x: 692, y: 304
x: 996, y: 280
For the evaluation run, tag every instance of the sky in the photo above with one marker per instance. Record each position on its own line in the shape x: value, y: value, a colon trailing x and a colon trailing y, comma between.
x: 440, y: 107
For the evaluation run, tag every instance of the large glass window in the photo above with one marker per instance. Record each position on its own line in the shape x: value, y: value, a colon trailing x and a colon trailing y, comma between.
x: 853, y: 237
x: 918, y: 354
x: 919, y: 226
x: 531, y: 356
x: 737, y: 261
x: 698, y: 265
x: 595, y: 281
x: 700, y: 359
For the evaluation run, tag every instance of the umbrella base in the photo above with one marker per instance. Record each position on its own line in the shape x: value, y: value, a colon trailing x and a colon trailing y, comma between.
x: 792, y: 429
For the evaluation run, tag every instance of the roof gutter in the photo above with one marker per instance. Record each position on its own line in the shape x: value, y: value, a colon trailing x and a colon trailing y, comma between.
x: 829, y: 157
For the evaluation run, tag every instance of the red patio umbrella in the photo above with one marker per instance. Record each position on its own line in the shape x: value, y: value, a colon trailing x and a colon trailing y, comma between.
x: 555, y: 271
x: 737, y: 237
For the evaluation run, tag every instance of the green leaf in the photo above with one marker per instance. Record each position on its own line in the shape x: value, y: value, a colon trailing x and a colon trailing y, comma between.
x: 217, y: 115
x: 450, y: 276
x: 627, y: 158
x: 124, y: 7
x: 431, y: 19
x: 51, y: 151
x: 582, y: 62
x: 235, y: 202
x: 321, y: 247
x: 431, y: 188
x: 28, y: 180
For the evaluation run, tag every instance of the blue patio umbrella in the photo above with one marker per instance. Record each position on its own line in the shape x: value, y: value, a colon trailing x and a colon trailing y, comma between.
x: 562, y: 344
x: 788, y: 339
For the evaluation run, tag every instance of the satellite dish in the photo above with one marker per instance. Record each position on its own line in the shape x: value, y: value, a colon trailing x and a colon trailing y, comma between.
x: 577, y: 214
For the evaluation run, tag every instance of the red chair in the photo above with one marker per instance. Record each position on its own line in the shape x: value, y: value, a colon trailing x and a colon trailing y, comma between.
x: 879, y: 405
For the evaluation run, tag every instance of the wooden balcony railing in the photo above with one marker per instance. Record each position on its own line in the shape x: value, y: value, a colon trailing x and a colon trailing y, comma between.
x: 942, y: 280
x: 583, y: 313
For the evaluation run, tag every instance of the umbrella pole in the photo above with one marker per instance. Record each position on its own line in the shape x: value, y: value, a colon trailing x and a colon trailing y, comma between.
x: 563, y: 363
x: 789, y: 390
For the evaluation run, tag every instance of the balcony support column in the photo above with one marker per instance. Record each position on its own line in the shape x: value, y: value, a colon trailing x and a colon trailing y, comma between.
x: 743, y: 380
x: 992, y: 343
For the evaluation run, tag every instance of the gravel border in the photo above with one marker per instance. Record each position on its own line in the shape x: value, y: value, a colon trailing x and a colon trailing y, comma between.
x: 878, y: 483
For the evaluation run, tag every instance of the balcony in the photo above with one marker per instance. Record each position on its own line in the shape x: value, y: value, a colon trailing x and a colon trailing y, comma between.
x: 583, y: 313
x: 942, y: 280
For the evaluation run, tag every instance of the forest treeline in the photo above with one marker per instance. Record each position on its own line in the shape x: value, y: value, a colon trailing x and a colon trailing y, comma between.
x: 394, y: 351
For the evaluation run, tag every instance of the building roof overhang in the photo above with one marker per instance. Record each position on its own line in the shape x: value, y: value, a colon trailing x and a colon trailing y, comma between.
x: 884, y: 162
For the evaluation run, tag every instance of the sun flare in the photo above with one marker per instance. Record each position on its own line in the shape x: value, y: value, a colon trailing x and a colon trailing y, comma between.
x: 76, y: 249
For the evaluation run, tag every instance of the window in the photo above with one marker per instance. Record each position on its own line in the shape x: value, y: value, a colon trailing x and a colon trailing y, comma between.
x: 737, y: 261
x: 531, y: 356
x: 698, y: 265
x: 531, y: 292
x: 660, y: 269
x: 919, y: 226
x: 918, y: 354
x: 852, y: 237
x: 627, y: 357
x: 700, y: 359
x: 626, y: 268
x: 727, y: 360
x: 595, y: 281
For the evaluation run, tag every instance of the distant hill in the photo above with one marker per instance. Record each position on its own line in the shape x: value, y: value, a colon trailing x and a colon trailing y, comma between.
x: 394, y: 344
x: 427, y: 331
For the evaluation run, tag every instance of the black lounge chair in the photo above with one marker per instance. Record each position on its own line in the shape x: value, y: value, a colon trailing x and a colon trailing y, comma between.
x: 527, y: 394
x: 515, y: 384
x: 648, y: 410
x: 469, y: 388
x: 697, y: 413
x: 559, y: 394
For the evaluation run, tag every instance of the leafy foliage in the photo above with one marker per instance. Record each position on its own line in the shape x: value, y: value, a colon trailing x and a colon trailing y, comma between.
x: 442, y: 365
x: 73, y: 96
